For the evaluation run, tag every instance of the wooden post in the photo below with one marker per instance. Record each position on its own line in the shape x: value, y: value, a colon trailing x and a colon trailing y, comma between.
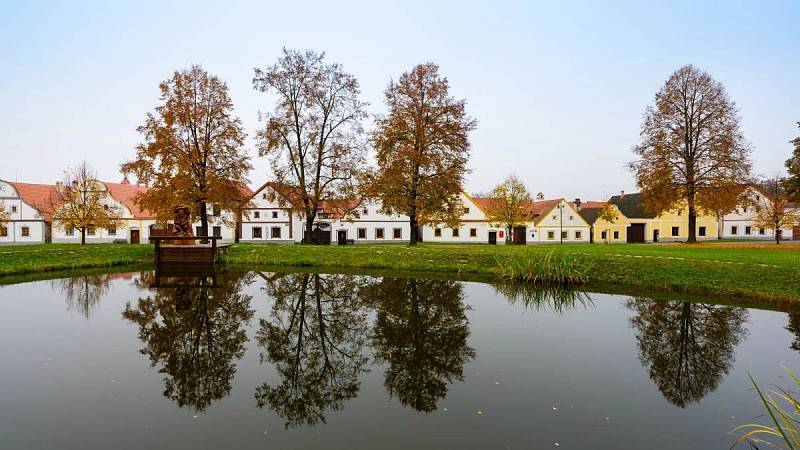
x: 214, y: 249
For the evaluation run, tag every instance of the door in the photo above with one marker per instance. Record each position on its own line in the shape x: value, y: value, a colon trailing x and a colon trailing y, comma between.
x: 134, y: 236
x: 796, y: 233
x: 341, y: 237
x: 655, y: 235
x: 519, y: 235
x: 493, y: 237
x: 636, y: 233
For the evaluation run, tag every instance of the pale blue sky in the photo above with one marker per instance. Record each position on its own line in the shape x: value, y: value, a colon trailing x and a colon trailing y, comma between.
x: 558, y: 87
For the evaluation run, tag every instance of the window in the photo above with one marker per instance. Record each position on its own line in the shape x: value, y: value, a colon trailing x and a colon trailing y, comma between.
x: 256, y: 215
x: 397, y: 233
x: 437, y: 232
x: 551, y: 235
x: 13, y: 209
x: 3, y: 231
x: 216, y: 232
x: 744, y: 210
x: 455, y: 232
x: 112, y: 231
x: 215, y: 210
x: 578, y: 235
x: 603, y: 235
x: 264, y: 196
x: 378, y: 233
x: 679, y: 212
x: 555, y: 217
x: 564, y: 235
x: 748, y: 230
x: 571, y: 218
x: 734, y: 230
x: 275, y: 232
x: 25, y: 231
x: 676, y: 231
x: 105, y: 207
x: 473, y: 232
x: 616, y: 235
x: 256, y: 232
x: 466, y: 210
x: 90, y: 231
x: 364, y: 211
x: 701, y: 231
x: 761, y: 231
x: 274, y: 214
x: 69, y: 231
x: 362, y: 233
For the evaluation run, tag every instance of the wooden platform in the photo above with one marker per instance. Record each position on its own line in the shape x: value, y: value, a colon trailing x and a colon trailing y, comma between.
x: 203, y: 250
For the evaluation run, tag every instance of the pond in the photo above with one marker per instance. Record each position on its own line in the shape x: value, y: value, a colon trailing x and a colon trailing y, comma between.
x: 308, y: 360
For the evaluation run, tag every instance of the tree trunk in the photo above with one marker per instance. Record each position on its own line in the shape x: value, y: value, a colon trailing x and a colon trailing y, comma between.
x: 692, y: 223
x: 509, y: 241
x: 777, y: 236
x: 203, y: 218
x: 83, y: 236
x: 414, y: 232
x: 309, y: 228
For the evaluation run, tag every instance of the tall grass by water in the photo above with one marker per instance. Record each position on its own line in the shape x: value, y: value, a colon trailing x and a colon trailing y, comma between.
x: 783, y: 409
x: 551, y: 268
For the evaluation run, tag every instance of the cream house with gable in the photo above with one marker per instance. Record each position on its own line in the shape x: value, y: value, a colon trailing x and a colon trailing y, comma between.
x: 473, y: 227
x: 558, y: 221
x: 740, y: 223
x: 25, y: 204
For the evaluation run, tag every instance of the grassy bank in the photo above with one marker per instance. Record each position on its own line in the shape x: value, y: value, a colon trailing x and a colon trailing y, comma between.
x: 24, y: 259
x: 763, y: 272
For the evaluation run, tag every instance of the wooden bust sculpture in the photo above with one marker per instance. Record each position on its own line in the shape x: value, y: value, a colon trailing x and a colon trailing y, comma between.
x: 183, y: 224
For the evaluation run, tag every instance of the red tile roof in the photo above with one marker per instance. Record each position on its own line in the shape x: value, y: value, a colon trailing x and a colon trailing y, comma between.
x: 38, y: 196
x: 534, y: 208
x: 125, y: 193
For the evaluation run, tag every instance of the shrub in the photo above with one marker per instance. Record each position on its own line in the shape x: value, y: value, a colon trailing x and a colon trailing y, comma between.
x: 551, y: 268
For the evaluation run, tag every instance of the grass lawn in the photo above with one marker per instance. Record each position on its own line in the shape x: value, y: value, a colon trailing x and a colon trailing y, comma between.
x: 22, y: 259
x: 764, y: 272
x: 757, y: 271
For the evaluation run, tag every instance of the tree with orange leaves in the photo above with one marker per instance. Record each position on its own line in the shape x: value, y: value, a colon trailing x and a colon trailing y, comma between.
x: 422, y: 150
x: 692, y: 151
x: 192, y: 154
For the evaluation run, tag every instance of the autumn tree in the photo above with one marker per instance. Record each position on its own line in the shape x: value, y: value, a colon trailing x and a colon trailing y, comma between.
x: 422, y: 150
x: 192, y: 151
x: 691, y: 150
x: 5, y: 217
x: 509, y: 205
x: 82, y: 203
x: 792, y: 182
x: 776, y: 214
x: 313, y: 138
x: 608, y: 214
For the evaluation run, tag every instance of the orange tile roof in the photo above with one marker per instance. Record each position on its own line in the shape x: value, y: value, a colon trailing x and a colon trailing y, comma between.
x: 125, y: 194
x: 38, y: 196
x: 534, y: 208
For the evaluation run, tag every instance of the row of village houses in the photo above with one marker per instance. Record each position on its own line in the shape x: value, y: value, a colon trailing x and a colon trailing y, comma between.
x: 270, y: 218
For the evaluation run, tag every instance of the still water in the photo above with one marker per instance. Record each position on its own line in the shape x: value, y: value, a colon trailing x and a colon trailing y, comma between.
x: 304, y: 360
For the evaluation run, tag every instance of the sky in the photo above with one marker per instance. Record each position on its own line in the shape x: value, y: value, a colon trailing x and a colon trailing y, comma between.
x: 558, y: 87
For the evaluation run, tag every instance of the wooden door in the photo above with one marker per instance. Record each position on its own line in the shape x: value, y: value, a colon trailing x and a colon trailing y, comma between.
x: 341, y: 237
x: 636, y: 233
x: 134, y: 236
x: 519, y: 235
x: 493, y: 237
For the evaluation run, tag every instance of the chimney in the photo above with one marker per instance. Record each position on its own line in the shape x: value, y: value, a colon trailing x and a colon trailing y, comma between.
x: 125, y: 180
x: 621, y: 195
x: 540, y: 196
x: 578, y: 204
x: 60, y: 186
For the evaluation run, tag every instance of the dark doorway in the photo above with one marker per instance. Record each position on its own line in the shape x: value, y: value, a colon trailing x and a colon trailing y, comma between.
x: 322, y: 237
x: 493, y: 237
x: 796, y: 233
x: 636, y: 233
x: 134, y: 236
x: 655, y: 235
x: 341, y: 237
x: 519, y: 235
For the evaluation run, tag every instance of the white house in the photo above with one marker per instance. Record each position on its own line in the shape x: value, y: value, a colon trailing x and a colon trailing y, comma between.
x: 740, y: 224
x: 473, y: 228
x: 24, y: 203
x: 275, y: 215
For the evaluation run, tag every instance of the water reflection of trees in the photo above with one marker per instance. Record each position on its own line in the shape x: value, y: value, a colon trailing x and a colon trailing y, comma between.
x: 421, y: 331
x: 540, y: 298
x: 688, y: 347
x: 794, y: 327
x: 195, y: 335
x: 83, y: 293
x: 314, y: 336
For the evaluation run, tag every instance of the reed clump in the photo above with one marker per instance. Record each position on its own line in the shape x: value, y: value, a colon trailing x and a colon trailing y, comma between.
x: 551, y: 268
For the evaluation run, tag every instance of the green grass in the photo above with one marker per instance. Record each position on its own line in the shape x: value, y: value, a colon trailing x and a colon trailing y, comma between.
x: 754, y: 271
x: 552, y: 268
x: 766, y: 273
x: 25, y: 259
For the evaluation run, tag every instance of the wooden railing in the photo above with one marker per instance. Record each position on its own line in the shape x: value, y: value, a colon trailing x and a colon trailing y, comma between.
x: 203, y: 239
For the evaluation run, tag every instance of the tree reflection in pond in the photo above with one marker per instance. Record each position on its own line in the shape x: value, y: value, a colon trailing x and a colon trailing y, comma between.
x: 794, y: 327
x: 315, y: 337
x: 688, y: 347
x: 195, y: 335
x: 83, y: 293
x: 539, y: 298
x: 421, y: 331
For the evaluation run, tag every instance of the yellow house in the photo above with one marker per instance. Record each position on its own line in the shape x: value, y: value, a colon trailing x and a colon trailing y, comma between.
x: 603, y: 231
x: 665, y: 227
